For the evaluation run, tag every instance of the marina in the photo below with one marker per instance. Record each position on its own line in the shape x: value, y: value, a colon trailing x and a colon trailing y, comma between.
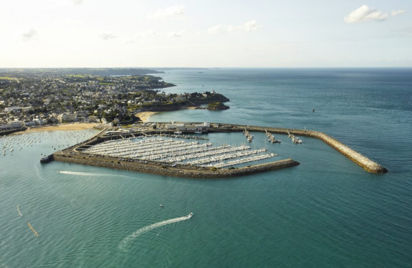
x: 176, y: 149
x: 328, y: 208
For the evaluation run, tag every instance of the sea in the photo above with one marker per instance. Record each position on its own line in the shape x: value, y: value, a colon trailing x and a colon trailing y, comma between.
x: 326, y: 212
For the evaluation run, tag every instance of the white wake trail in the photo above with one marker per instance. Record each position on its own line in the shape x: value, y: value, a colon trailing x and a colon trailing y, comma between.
x: 128, y: 239
x: 81, y: 173
x: 19, y: 211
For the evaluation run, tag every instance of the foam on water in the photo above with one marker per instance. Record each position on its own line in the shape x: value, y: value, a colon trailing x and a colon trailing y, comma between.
x: 130, y: 238
x: 19, y: 211
x: 78, y: 173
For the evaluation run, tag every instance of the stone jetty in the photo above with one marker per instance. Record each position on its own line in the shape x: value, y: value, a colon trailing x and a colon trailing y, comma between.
x: 149, y: 148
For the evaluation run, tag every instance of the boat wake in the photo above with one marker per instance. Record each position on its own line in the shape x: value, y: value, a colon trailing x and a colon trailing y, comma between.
x: 19, y: 211
x: 128, y: 239
x: 76, y: 173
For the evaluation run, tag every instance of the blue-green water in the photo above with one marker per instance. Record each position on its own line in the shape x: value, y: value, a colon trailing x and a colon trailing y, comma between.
x: 327, y: 212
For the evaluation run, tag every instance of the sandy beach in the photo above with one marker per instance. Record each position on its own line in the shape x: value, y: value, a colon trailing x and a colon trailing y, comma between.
x: 61, y: 127
x: 145, y: 116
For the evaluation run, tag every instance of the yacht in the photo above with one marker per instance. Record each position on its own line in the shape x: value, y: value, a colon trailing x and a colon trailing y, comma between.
x: 296, y: 140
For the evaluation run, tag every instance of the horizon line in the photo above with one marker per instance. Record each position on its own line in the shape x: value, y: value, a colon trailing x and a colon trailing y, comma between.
x: 225, y: 67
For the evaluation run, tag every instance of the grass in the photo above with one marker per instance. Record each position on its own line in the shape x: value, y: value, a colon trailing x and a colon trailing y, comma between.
x: 106, y: 83
x: 8, y: 78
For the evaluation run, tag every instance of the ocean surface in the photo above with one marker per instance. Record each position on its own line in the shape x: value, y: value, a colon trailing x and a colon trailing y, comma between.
x: 326, y: 212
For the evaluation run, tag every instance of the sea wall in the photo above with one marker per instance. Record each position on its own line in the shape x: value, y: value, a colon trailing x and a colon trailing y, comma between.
x: 359, y: 159
x: 74, y: 154
x: 11, y: 130
x: 167, y: 170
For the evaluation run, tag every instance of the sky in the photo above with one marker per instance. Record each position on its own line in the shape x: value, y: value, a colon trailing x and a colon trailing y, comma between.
x: 212, y: 33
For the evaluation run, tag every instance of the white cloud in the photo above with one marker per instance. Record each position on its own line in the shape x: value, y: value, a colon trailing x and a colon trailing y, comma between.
x: 365, y: 13
x: 172, y: 11
x: 147, y: 34
x: 248, y: 26
x: 30, y: 34
x: 107, y: 36
x: 217, y: 29
x: 397, y: 12
x: 77, y: 2
x: 176, y: 34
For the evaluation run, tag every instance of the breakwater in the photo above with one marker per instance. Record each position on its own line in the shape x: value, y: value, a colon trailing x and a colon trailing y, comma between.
x: 79, y: 152
x: 361, y: 160
x: 158, y: 168
x: 356, y: 157
x: 8, y: 131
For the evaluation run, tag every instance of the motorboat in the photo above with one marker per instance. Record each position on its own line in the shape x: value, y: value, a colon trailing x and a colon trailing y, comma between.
x: 296, y: 140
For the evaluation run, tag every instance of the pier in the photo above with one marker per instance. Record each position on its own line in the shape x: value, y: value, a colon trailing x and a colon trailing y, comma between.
x: 164, y: 155
x: 154, y: 148
x: 361, y: 160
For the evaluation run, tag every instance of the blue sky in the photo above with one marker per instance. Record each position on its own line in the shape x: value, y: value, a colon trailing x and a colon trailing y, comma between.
x: 133, y: 33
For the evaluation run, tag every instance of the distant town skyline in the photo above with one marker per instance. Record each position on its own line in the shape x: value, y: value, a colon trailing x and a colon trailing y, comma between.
x: 188, y: 33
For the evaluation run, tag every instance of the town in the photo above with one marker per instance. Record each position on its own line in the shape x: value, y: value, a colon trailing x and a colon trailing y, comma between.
x: 29, y: 99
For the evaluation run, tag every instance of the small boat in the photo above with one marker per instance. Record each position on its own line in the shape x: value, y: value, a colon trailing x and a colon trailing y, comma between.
x: 296, y: 140
x: 190, y: 215
x: 161, y: 205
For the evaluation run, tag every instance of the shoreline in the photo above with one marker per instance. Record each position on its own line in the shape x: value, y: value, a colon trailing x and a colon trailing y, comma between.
x: 145, y: 116
x: 59, y: 127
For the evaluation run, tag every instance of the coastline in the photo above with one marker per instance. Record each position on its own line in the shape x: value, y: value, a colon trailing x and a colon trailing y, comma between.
x: 60, y: 127
x: 145, y: 116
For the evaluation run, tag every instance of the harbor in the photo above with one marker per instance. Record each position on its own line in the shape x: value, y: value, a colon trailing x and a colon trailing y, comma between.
x: 157, y: 148
x: 89, y: 215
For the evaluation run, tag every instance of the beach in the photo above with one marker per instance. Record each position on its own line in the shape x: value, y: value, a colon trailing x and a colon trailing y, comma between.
x: 318, y: 206
x: 145, y: 116
x: 60, y: 127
